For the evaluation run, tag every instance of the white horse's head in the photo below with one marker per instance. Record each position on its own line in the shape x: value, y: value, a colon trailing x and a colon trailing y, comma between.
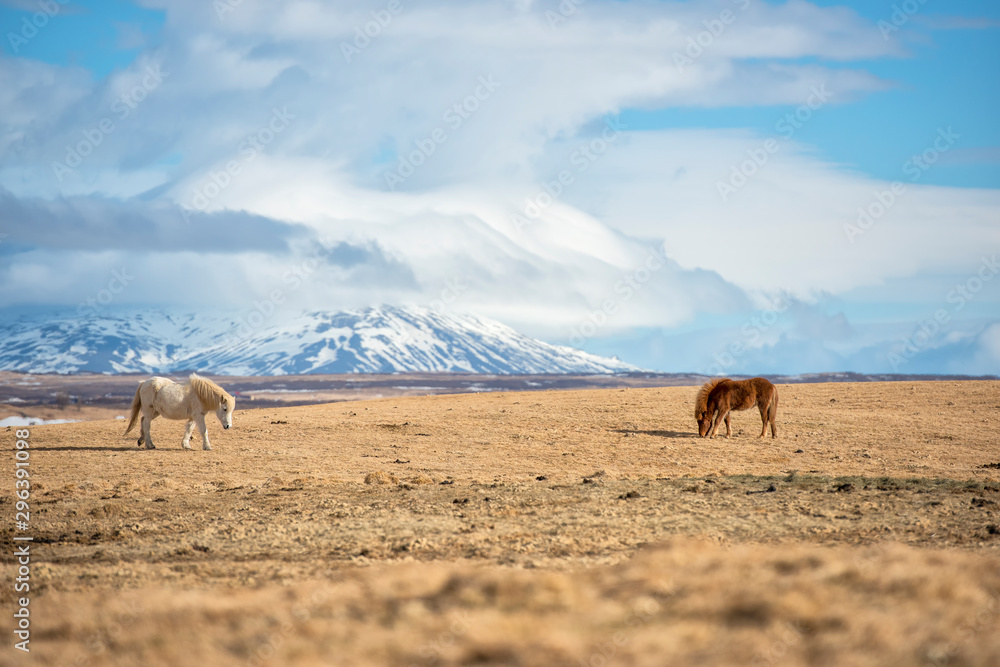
x: 227, y: 404
x: 212, y: 396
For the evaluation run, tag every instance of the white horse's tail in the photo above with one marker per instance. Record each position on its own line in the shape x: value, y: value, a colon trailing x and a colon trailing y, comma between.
x: 136, y: 408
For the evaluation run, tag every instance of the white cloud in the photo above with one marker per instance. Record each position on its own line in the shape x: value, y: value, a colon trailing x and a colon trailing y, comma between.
x: 784, y: 229
x: 353, y: 118
x: 223, y: 77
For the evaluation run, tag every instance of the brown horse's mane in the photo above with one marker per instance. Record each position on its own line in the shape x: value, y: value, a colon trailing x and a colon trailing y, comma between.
x: 701, y: 401
x: 209, y: 393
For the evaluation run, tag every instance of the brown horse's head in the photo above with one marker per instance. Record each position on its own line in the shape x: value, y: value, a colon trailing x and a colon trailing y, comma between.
x: 702, y: 412
x: 704, y: 423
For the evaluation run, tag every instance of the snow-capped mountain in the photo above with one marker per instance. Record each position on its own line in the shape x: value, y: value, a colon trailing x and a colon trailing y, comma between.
x: 374, y: 340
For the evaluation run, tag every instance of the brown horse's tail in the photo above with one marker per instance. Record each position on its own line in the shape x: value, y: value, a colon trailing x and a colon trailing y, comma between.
x: 136, y: 408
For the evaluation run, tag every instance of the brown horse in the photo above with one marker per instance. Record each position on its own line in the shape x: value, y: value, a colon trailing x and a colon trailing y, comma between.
x: 718, y: 397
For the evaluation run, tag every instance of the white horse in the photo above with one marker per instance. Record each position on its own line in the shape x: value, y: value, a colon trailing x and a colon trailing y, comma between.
x: 192, y: 401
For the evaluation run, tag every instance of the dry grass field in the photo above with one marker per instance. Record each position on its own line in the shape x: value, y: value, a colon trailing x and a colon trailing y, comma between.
x: 546, y: 528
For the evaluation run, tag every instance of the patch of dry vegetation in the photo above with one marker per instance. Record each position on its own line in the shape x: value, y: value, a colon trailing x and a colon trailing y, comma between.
x: 689, y: 601
x: 381, y: 477
x: 585, y: 527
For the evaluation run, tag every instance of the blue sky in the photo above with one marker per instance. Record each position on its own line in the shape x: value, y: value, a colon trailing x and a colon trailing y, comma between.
x: 942, y: 77
x: 184, y: 90
x: 98, y: 36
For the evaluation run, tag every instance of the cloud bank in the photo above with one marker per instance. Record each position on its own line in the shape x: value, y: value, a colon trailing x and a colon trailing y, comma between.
x: 405, y: 152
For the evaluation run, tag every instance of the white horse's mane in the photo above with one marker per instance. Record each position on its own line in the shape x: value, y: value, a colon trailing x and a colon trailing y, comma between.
x: 209, y: 393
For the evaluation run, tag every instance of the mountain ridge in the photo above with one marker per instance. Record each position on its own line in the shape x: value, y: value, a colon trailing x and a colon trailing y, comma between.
x: 381, y: 339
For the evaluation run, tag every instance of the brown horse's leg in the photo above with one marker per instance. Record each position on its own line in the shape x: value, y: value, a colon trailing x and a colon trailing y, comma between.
x: 722, y: 416
x: 773, y: 412
x: 764, y: 408
x: 729, y: 430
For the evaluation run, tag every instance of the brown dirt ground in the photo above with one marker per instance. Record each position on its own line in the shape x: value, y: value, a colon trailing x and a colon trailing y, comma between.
x: 544, y: 528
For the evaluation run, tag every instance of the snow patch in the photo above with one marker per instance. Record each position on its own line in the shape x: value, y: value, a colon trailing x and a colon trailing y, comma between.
x: 373, y: 340
x: 32, y: 421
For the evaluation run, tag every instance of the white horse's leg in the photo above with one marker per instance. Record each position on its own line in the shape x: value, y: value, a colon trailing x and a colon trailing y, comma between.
x: 187, y: 434
x: 146, y: 419
x: 203, y: 429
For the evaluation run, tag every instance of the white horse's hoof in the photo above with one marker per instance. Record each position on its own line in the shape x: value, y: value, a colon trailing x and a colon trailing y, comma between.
x: 186, y: 446
x: 207, y: 448
x: 150, y: 446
